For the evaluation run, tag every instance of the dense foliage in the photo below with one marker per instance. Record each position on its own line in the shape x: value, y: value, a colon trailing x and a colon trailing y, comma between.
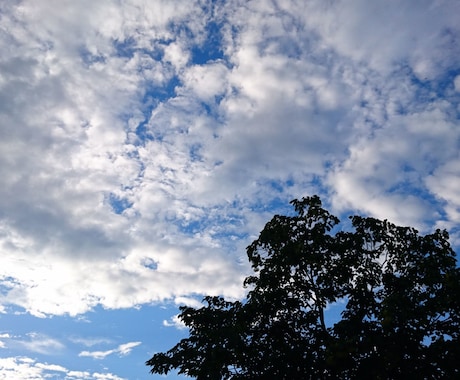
x: 399, y: 294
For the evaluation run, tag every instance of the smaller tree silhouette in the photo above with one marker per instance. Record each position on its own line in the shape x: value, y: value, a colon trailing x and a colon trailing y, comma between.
x: 401, y: 306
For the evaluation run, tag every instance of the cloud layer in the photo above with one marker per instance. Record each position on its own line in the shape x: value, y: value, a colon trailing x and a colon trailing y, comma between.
x: 143, y: 144
x: 28, y: 368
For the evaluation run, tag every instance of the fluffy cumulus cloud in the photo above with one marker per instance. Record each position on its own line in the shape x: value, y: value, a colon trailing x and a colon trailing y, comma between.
x: 144, y: 143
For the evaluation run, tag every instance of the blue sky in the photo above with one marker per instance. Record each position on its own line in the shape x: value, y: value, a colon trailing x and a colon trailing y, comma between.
x: 144, y: 144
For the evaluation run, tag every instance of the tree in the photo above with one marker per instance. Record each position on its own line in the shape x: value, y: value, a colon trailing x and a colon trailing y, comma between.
x: 400, y: 297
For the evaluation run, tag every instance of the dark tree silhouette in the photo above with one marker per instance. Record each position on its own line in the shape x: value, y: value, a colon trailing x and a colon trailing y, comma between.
x: 400, y: 294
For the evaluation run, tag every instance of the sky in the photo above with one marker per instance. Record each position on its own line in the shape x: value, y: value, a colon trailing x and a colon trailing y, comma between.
x: 145, y: 143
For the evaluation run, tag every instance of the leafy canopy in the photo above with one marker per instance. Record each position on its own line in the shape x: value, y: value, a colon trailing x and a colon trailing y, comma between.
x: 400, y: 297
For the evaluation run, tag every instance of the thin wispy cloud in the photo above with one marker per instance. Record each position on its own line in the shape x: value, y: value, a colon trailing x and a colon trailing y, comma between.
x: 41, y: 344
x: 122, y: 349
x: 90, y: 342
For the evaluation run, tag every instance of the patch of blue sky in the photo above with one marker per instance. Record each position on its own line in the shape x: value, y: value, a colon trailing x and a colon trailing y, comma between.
x: 88, y: 58
x: 224, y: 224
x: 279, y: 192
x: 128, y: 47
x: 125, y: 48
x: 143, y: 325
x: 149, y: 263
x: 284, y: 191
x: 231, y: 230
x: 143, y: 132
x: 428, y: 90
x: 40, y: 339
x: 195, y: 152
x: 208, y: 108
x: 211, y: 220
x: 147, y: 326
x: 101, y: 330
x: 274, y: 204
x: 333, y: 312
x: 117, y: 203
x: 211, y: 49
x: 192, y: 227
x: 154, y: 96
x: 415, y: 189
x: 230, y: 238
x: 154, y: 93
x: 445, y: 83
x: 211, y: 108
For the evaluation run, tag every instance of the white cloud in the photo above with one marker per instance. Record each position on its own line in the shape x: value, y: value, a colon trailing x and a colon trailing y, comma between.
x: 444, y: 182
x: 4, y: 336
x: 78, y: 374
x: 122, y: 349
x: 177, y: 55
x: 386, y: 35
x: 89, y: 342
x: 188, y: 301
x: 26, y: 368
x: 19, y: 368
x: 174, y: 322
x: 41, y: 344
x: 97, y: 354
x: 131, y: 174
x: 385, y: 171
x: 106, y: 376
x: 78, y: 158
x: 125, y: 349
x: 51, y: 367
x: 207, y: 81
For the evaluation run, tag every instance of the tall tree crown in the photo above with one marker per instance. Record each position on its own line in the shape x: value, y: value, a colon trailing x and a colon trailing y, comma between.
x: 399, y: 292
